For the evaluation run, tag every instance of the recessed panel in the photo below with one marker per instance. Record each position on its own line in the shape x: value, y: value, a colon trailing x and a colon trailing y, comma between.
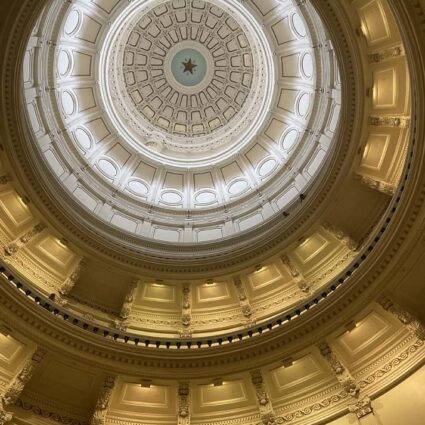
x: 303, y: 372
x: 311, y: 247
x: 374, y: 22
x: 54, y: 250
x: 385, y: 88
x: 227, y: 394
x: 212, y: 292
x: 153, y: 398
x: 159, y: 293
x: 375, y: 151
x: 264, y: 277
x: 15, y: 209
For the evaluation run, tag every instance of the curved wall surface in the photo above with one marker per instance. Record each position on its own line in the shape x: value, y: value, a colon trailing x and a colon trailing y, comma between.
x: 244, y: 249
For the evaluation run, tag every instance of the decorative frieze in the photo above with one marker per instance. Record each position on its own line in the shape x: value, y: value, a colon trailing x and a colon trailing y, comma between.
x: 309, y: 409
x: 120, y: 325
x: 394, y: 363
x: 129, y: 300
x: 16, y: 245
x: 15, y: 388
x: 267, y: 413
x: 344, y: 377
x: 243, y: 299
x: 415, y: 326
x: 184, y: 404
x: 47, y: 413
x: 384, y: 187
x: 72, y: 279
x: 341, y: 236
x: 295, y: 274
x: 101, y: 410
x: 387, y: 121
x: 382, y: 55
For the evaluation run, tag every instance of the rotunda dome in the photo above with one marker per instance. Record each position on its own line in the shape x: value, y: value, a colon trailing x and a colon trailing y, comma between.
x: 211, y: 211
x: 194, y: 123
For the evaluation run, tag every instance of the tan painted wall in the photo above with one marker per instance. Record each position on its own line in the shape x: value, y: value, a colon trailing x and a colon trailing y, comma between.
x: 403, y: 405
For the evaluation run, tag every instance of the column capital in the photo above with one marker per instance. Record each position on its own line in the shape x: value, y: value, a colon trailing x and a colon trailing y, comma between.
x: 102, y: 404
x: 412, y: 323
x: 16, y: 245
x: 381, y: 186
x: 385, y: 54
x: 348, y: 383
x: 267, y: 413
x: 385, y: 121
x: 129, y: 300
x: 15, y: 388
x: 244, y: 303
x: 5, y: 417
x: 72, y: 279
x: 362, y: 407
x: 296, y: 275
x: 341, y: 236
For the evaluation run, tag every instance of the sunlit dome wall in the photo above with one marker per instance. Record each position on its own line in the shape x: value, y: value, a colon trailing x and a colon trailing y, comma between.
x: 211, y: 212
x: 184, y: 164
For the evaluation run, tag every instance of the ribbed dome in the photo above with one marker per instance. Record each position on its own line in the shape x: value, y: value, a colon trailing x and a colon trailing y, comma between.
x: 186, y: 164
x: 211, y: 212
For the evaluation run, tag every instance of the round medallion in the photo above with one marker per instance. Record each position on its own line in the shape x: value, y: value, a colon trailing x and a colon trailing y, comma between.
x: 189, y: 67
x: 196, y: 75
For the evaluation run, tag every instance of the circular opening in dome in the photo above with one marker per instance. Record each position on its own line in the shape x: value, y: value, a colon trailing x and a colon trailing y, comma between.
x: 189, y: 67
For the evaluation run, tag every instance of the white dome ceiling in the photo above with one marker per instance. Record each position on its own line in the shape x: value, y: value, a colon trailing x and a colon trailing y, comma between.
x: 199, y: 117
x: 185, y: 164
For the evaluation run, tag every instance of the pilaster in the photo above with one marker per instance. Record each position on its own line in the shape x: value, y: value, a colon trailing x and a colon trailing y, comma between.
x: 15, y: 388
x: 296, y: 275
x: 243, y: 300
x: 101, y: 410
x: 267, y: 413
x: 186, y: 332
x: 344, y: 377
x: 184, y: 404
x: 72, y: 279
x: 341, y: 236
x: 129, y: 300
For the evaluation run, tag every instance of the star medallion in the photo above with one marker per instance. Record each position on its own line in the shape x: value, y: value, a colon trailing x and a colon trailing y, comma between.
x: 189, y: 66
